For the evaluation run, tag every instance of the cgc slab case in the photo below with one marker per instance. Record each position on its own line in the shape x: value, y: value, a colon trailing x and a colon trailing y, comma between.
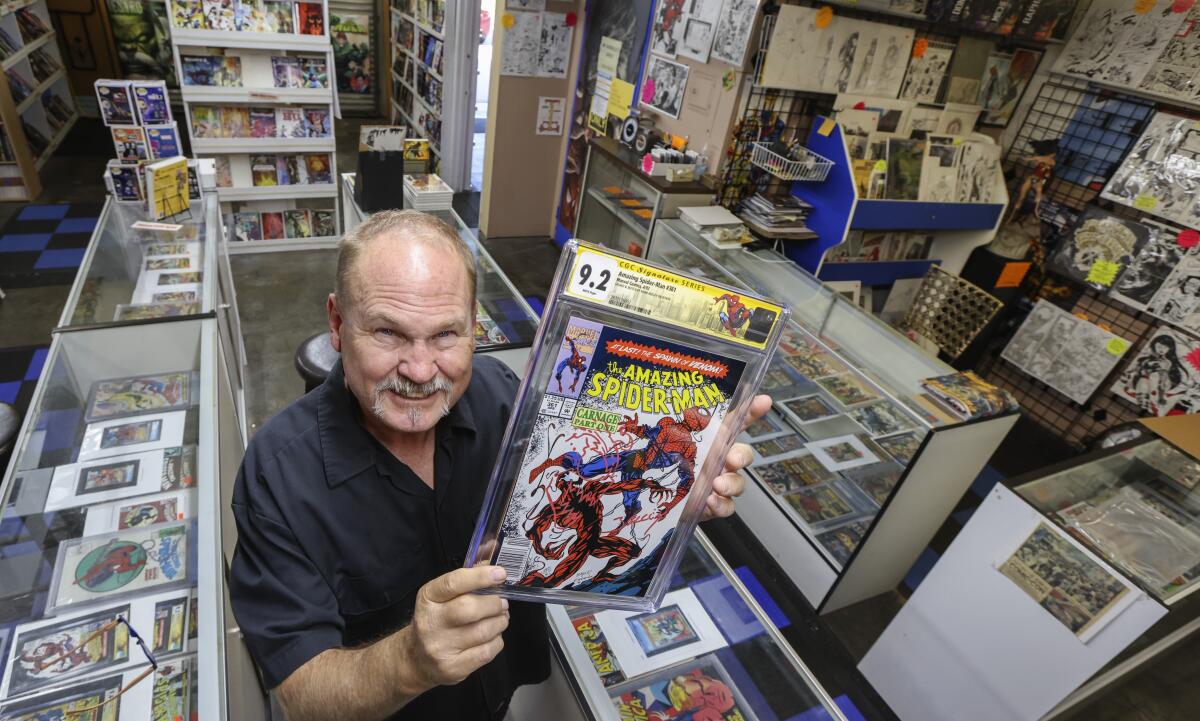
x: 640, y: 381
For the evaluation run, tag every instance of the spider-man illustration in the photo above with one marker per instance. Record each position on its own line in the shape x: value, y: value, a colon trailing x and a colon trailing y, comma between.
x: 123, y: 558
x: 62, y: 652
x: 580, y: 508
x: 735, y: 314
x: 669, y: 442
x: 574, y: 362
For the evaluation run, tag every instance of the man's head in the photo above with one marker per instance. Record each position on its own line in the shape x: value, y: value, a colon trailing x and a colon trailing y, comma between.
x: 403, y: 317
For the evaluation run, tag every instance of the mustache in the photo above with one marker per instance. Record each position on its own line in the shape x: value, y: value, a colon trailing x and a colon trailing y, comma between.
x: 408, y: 389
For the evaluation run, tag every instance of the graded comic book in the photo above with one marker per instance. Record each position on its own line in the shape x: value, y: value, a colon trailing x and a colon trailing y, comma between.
x: 641, y: 380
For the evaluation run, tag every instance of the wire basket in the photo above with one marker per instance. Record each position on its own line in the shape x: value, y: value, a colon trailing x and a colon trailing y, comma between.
x: 810, y: 167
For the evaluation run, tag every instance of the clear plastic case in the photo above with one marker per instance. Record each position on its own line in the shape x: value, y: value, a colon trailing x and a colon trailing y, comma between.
x: 639, y: 382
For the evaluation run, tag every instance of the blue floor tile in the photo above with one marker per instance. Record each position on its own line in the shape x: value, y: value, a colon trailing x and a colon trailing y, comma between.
x: 23, y: 242
x: 76, y: 225
x: 9, y: 390
x: 63, y: 258
x: 35, y: 364
x: 44, y: 212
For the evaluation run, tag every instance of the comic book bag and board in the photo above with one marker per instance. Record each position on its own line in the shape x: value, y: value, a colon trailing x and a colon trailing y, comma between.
x: 639, y: 381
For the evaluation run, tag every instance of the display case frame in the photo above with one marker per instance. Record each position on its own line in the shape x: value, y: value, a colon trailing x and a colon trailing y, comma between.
x: 942, y: 468
x: 601, y: 219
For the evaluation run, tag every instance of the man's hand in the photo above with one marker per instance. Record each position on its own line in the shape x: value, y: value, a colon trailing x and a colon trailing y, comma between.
x: 730, y: 484
x: 454, y: 631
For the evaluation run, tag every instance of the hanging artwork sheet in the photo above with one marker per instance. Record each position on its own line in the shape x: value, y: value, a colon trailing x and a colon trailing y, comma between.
x: 1143, y: 276
x: 1160, y: 173
x: 1116, y: 44
x: 1164, y: 377
x: 663, y: 85
x: 519, y: 44
x: 732, y: 35
x: 1098, y: 248
x: 667, y: 31
x: 699, y: 27
x: 926, y: 74
x: 1178, y: 300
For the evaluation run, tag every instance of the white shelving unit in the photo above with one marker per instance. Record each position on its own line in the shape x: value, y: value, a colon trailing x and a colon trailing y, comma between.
x: 417, y: 35
x: 256, y: 53
x: 25, y: 120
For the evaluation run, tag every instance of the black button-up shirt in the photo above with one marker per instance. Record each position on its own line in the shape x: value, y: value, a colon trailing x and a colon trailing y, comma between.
x: 335, y: 536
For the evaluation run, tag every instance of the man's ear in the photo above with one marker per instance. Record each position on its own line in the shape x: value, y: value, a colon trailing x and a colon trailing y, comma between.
x: 335, y: 322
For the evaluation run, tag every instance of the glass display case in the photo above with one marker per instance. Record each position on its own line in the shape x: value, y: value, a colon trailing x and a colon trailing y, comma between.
x: 131, y: 273
x: 620, y: 203
x: 854, y: 456
x: 504, y: 322
x: 710, y: 650
x: 115, y: 505
x: 1138, y: 508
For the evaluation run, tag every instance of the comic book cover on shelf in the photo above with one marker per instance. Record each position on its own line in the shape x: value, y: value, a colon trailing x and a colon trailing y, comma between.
x: 640, y: 381
x: 700, y: 688
x: 140, y: 394
x: 78, y: 646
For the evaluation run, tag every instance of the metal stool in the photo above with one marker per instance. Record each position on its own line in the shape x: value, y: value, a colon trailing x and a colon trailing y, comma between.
x: 314, y: 359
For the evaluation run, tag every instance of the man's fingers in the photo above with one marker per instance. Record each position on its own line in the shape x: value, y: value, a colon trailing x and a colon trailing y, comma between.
x: 482, y: 632
x: 469, y: 609
x: 485, y: 653
x: 739, y: 457
x: 461, y: 581
x: 758, y: 408
x: 729, y: 485
x: 719, y: 507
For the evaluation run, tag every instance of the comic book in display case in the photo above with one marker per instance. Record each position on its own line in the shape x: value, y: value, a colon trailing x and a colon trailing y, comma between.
x: 861, y: 424
x: 120, y: 447
x: 37, y: 106
x: 638, y: 383
x: 257, y: 79
x: 710, y: 650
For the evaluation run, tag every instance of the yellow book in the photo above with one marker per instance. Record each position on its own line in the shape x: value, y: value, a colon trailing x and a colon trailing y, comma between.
x: 167, y: 187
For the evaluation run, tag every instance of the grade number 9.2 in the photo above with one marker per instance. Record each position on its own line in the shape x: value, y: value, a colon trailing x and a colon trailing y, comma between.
x: 602, y: 278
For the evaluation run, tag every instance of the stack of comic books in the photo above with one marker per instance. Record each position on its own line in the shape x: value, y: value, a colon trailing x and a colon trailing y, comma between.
x: 640, y: 379
x: 427, y: 192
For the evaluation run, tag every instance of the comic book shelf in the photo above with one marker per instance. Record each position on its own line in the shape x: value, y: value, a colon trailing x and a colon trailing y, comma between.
x: 37, y: 107
x: 265, y: 161
x: 418, y: 32
x: 844, y: 535
x: 134, y: 429
x: 1126, y: 514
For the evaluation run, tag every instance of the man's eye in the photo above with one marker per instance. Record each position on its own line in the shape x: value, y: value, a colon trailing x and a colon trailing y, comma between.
x: 385, y: 331
x: 446, y: 334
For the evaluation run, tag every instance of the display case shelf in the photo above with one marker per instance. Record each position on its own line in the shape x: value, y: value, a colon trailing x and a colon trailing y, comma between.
x: 298, y: 96
x: 235, y: 39
x: 277, y: 192
x: 262, y: 145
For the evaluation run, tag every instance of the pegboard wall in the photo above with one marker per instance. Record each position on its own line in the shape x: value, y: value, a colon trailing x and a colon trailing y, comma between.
x: 1095, y: 128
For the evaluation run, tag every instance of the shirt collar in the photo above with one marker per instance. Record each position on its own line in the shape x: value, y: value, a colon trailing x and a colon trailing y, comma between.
x: 346, y: 446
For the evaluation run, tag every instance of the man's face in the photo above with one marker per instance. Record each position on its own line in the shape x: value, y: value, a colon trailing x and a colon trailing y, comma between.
x: 406, y: 338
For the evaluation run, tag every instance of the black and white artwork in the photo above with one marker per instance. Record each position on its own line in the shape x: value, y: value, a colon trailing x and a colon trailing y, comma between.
x: 520, y: 43
x: 847, y: 56
x: 939, y: 170
x: 1161, y: 175
x: 923, y: 81
x: 1178, y: 67
x: 978, y: 170
x: 1098, y: 236
x: 554, y: 51
x: 1065, y: 352
x: 895, y: 116
x: 698, y: 29
x: 1115, y: 44
x: 663, y: 86
x: 880, y: 61
x: 667, y: 30
x: 1146, y: 272
x: 732, y: 34
x: 1164, y: 377
x: 1178, y: 300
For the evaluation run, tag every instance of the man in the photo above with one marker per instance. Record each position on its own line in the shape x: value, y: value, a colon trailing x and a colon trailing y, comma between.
x: 355, y: 504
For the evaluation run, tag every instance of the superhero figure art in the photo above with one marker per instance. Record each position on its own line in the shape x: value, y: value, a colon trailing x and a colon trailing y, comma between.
x: 625, y: 427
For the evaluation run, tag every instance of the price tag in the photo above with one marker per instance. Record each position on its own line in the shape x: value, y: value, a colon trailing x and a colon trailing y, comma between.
x: 1145, y: 202
x: 1117, y: 346
x: 1182, y: 6
x: 593, y: 276
x: 1141, y: 7
x: 919, y: 48
x: 824, y: 17
x: 1103, y: 272
x: 1188, y: 238
x: 826, y: 127
x: 880, y: 166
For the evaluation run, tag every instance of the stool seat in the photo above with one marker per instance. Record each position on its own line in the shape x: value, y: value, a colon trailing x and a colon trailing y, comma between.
x: 10, y: 423
x: 314, y: 359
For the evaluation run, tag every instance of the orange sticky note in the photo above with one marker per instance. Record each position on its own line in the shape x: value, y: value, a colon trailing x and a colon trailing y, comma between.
x: 1141, y: 7
x: 1012, y: 275
x: 919, y: 47
x: 507, y: 20
x: 825, y: 16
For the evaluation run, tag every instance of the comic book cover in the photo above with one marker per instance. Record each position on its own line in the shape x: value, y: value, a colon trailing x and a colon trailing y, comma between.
x: 970, y: 396
x: 62, y: 651
x: 179, y: 468
x: 188, y: 14
x: 235, y: 122
x: 172, y: 688
x: 290, y: 170
x: 163, y: 141
x: 297, y: 223
x: 116, y: 103
x: 286, y: 72
x: 289, y: 122
x: 698, y: 689
x: 169, y: 622
x: 316, y: 122
x: 603, y: 660
x: 133, y: 560
x: 147, y: 513
x: 323, y: 224
x: 140, y: 394
x: 262, y: 122
x: 69, y: 703
x: 310, y: 18
x: 219, y: 14
x: 198, y: 69
x: 206, y: 121
x: 279, y: 16
x: 142, y: 311
x: 263, y: 171
x: 317, y: 168
x: 618, y: 427
x: 313, y: 73
x: 272, y: 225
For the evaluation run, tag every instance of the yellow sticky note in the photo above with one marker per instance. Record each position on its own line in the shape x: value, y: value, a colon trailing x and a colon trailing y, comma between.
x: 1117, y: 346
x: 880, y: 166
x: 826, y: 127
x: 620, y: 98
x: 1145, y: 202
x: 1103, y: 272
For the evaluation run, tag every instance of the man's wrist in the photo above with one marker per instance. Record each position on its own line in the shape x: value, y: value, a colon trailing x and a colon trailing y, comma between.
x: 411, y: 680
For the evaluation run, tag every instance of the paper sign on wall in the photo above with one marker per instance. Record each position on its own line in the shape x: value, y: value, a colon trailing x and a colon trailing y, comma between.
x: 550, y: 116
x: 620, y: 98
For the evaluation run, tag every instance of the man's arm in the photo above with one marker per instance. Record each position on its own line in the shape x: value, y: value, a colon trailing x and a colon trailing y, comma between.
x: 453, y: 632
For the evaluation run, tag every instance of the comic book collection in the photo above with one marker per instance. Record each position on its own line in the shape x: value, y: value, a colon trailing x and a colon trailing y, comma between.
x: 640, y: 376
x: 236, y: 121
x: 225, y: 70
x: 307, y: 169
x: 130, y: 564
x: 254, y: 16
x: 290, y: 224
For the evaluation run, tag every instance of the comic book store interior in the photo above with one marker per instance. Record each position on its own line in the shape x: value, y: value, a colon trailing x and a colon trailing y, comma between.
x: 600, y: 360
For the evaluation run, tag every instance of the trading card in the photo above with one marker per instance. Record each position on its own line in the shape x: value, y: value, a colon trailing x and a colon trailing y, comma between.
x: 662, y: 630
